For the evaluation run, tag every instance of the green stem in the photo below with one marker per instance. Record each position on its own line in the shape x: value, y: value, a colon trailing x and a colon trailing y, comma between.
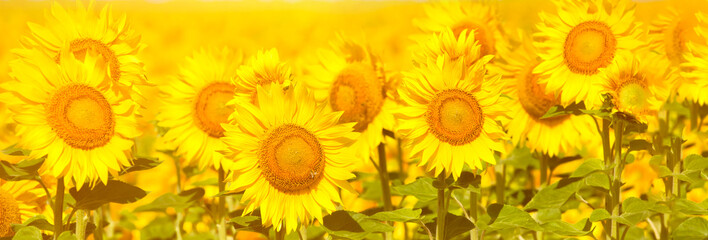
x: 474, y: 233
x: 222, y: 205
x: 385, y: 183
x: 98, y: 220
x: 180, y: 214
x: 280, y: 235
x: 607, y: 155
x: 501, y: 181
x: 442, y: 210
x: 46, y: 191
x: 544, y: 169
x: 81, y: 221
x: 58, y: 208
x: 617, y: 177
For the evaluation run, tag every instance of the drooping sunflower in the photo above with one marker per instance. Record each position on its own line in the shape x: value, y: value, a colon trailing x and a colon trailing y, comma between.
x: 19, y: 201
x: 551, y: 136
x: 262, y: 69
x: 290, y: 156
x: 68, y: 113
x: 638, y: 85
x: 195, y: 106
x: 695, y: 68
x: 451, y: 115
x: 578, y: 41
x: 352, y: 80
x: 82, y: 29
x: 472, y: 16
x: 670, y: 32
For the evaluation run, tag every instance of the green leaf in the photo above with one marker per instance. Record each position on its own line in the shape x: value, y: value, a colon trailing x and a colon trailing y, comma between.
x: 421, y: 188
x: 30, y: 232
x: 563, y: 228
x: 398, y: 215
x: 599, y: 215
x: 676, y: 107
x: 39, y: 221
x: 244, y: 220
x: 558, y: 110
x: 554, y: 195
x: 693, y: 228
x: 67, y: 236
x: 548, y: 214
x: 24, y: 170
x: 142, y: 163
x: 353, y: 225
x: 695, y: 162
x: 113, y: 192
x: 160, y: 228
x: 587, y: 167
x: 509, y: 217
x: 180, y: 202
x: 640, y: 144
x: 689, y: 207
x: 341, y: 221
x: 598, y: 180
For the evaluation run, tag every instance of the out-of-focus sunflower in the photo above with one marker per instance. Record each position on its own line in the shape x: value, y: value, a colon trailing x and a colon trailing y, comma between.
x: 83, y: 29
x: 352, y: 80
x: 289, y: 156
x: 261, y: 70
x: 446, y: 42
x: 195, y: 106
x: 68, y: 113
x: 19, y: 201
x: 695, y: 67
x: 464, y: 15
x: 670, y: 32
x: 638, y: 176
x: 578, y: 41
x: 551, y: 136
x: 451, y: 115
x: 638, y: 85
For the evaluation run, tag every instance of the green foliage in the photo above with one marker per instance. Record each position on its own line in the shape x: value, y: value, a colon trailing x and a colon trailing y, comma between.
x: 141, y: 164
x: 114, y: 191
x: 352, y: 225
x: 185, y: 199
x: 398, y: 215
x: 38, y: 221
x: 509, y: 217
x: 30, y: 232
x: 24, y: 170
x: 587, y: 167
x: 421, y: 188
x: 554, y: 195
x: 692, y: 228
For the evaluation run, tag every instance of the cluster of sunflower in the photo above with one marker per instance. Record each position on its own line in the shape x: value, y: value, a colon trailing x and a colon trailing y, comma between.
x: 586, y: 123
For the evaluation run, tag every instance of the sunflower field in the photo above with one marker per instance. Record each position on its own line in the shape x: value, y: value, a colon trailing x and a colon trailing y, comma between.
x: 354, y: 119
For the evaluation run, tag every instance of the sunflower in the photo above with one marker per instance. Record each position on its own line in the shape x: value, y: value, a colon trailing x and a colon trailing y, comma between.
x: 451, y: 115
x: 476, y: 17
x: 351, y: 79
x: 447, y: 42
x: 19, y: 201
x: 638, y: 85
x: 84, y: 29
x: 68, y: 113
x: 695, y: 69
x: 195, y: 106
x: 262, y: 69
x: 579, y: 41
x: 670, y: 32
x: 551, y: 136
x: 289, y: 156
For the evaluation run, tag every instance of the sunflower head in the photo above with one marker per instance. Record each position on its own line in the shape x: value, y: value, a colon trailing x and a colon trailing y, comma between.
x: 455, y: 46
x: 289, y: 155
x: 19, y: 201
x: 695, y: 68
x: 580, y: 40
x: 671, y: 31
x: 263, y: 69
x: 83, y: 29
x: 476, y: 19
x: 638, y: 85
x: 196, y: 103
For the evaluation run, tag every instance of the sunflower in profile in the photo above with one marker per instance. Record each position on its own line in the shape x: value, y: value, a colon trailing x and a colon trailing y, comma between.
x: 19, y: 201
x: 447, y: 42
x: 451, y: 115
x: 475, y: 17
x: 290, y: 156
x: 262, y: 69
x: 550, y: 136
x: 579, y: 41
x: 638, y: 85
x: 195, y: 106
x: 352, y: 80
x: 84, y: 29
x: 68, y: 113
x: 695, y: 69
x: 670, y: 32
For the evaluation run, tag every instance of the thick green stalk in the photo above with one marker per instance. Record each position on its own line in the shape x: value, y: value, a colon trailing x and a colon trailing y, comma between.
x: 501, y: 181
x: 98, y: 221
x: 442, y: 210
x: 617, y: 177
x: 385, y: 183
x: 180, y: 214
x: 222, y: 205
x: 607, y: 155
x: 544, y: 169
x: 58, y: 209
x: 474, y: 233
x: 81, y: 222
